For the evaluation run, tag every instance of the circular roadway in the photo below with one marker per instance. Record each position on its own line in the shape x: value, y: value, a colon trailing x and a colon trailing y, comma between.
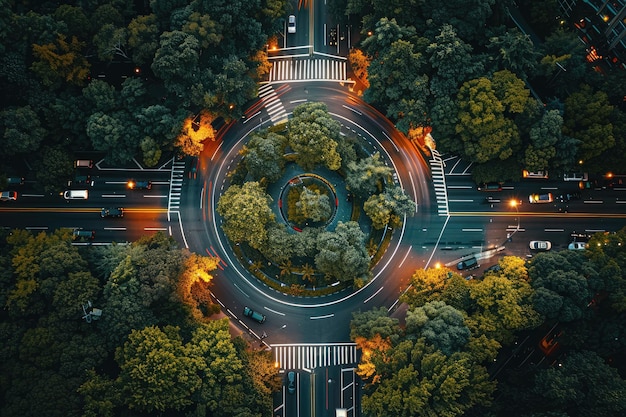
x: 311, y: 319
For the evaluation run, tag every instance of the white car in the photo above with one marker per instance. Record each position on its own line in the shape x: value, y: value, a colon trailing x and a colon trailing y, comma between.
x: 8, y: 196
x: 291, y: 24
x: 540, y: 245
x: 577, y: 246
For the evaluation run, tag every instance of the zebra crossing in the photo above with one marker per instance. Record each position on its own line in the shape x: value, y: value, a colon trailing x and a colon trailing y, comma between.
x: 314, y: 355
x: 439, y: 181
x: 272, y: 103
x: 301, y: 69
x: 176, y: 184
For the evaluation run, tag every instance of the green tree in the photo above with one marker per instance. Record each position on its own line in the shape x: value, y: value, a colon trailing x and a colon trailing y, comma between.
x: 441, y: 325
x: 367, y: 176
x: 544, y: 137
x: 389, y: 207
x: 342, y: 253
x: 247, y: 214
x: 503, y: 306
x: 101, y: 96
x: 176, y: 61
x: 206, y: 30
x: 313, y: 205
x: 370, y: 323
x: 562, y: 287
x: 114, y: 133
x: 421, y: 380
x: 468, y: 17
x: 564, y: 61
x: 453, y: 63
x: 511, y: 91
x: 264, y: 155
x: 74, y: 18
x: 313, y: 136
x: 233, y: 86
x: 486, y: 132
x: 514, y: 51
x: 386, y: 32
x: 438, y: 284
x: 398, y: 83
x: 143, y: 38
x: 110, y: 41
x: 157, y: 371
x: 588, y: 117
x: 582, y: 385
x: 21, y: 129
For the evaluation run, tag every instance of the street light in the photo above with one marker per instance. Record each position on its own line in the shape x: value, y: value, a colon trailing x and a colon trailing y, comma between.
x: 514, y: 204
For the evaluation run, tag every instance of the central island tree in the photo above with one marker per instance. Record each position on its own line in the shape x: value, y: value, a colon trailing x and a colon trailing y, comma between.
x: 246, y: 212
x: 313, y: 136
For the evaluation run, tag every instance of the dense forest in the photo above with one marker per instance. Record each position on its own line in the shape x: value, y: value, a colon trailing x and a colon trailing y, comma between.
x: 544, y: 337
x: 120, y: 330
x: 489, y: 92
x: 124, y: 78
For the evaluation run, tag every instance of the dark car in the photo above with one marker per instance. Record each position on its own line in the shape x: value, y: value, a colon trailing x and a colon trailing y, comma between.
x: 291, y: 382
x: 139, y: 185
x: 79, y: 180
x: 471, y: 263
x: 112, y: 212
x: 80, y: 234
x: 489, y: 186
x: 254, y: 315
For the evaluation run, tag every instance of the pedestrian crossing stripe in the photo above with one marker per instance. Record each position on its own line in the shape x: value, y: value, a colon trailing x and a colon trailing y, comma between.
x: 439, y: 182
x: 309, y: 69
x: 314, y: 355
x: 272, y: 103
x: 176, y: 185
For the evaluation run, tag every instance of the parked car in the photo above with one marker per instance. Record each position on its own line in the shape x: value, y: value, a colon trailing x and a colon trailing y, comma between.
x: 112, y: 212
x: 254, y: 315
x: 540, y: 245
x: 541, y: 198
x: 8, y: 196
x: 577, y: 246
x: 291, y: 382
x: 139, y: 185
x: 291, y: 24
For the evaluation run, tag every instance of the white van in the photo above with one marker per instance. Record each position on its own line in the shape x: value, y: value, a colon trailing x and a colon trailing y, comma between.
x: 76, y: 195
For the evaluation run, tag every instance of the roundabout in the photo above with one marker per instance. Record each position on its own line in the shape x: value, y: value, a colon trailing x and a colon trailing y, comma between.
x: 308, y: 317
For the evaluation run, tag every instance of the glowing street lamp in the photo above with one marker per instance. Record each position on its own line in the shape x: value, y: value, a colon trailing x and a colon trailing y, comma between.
x: 514, y: 204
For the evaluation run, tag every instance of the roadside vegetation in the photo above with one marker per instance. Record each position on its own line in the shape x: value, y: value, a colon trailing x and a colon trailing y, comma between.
x: 127, y: 79
x: 120, y: 330
x: 465, y: 70
x: 536, y: 338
